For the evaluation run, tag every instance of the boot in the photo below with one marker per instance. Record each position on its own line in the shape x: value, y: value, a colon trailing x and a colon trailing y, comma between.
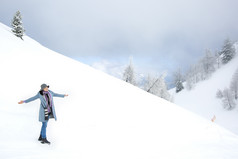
x: 40, y: 138
x: 45, y: 141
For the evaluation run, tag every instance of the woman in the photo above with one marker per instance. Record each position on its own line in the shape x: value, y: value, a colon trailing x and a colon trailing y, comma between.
x: 47, y: 109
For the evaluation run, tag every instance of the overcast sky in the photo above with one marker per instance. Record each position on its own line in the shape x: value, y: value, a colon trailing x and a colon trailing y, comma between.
x: 159, y: 34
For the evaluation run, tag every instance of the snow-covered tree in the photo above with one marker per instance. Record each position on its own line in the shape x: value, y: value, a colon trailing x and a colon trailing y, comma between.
x: 194, y: 75
x: 190, y: 78
x: 201, y: 70
x: 157, y: 86
x: 228, y: 100
x: 234, y: 85
x: 18, y: 29
x: 219, y: 94
x: 227, y: 52
x: 151, y: 85
x: 189, y: 84
x: 208, y: 63
x: 129, y: 74
x: 218, y: 59
x: 178, y: 80
x: 229, y: 96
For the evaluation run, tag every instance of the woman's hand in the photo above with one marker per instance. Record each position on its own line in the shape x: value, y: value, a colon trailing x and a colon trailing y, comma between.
x: 21, y: 102
x: 66, y: 95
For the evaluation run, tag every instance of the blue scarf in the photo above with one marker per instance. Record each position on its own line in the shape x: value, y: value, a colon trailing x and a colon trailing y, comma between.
x: 48, y: 100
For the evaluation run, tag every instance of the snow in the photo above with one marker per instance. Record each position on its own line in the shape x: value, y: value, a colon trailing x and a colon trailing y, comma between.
x: 103, y: 117
x: 202, y: 99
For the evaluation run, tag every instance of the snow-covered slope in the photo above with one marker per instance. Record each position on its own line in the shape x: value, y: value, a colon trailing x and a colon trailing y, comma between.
x: 102, y: 118
x: 202, y: 99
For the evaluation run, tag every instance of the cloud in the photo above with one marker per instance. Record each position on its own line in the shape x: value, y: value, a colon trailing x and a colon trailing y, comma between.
x: 163, y: 32
x: 112, y: 68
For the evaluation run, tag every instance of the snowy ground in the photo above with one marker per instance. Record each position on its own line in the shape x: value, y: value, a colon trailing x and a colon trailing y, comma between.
x: 103, y: 117
x: 202, y: 99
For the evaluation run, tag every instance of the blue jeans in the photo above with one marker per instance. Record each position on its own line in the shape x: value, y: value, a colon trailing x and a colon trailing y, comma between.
x: 43, y: 129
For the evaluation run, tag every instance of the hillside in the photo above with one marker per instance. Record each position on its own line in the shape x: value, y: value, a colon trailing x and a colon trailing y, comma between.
x: 202, y: 99
x: 102, y: 118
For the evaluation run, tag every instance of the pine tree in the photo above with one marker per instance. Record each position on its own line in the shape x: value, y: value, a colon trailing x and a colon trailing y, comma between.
x: 151, y: 85
x: 217, y: 59
x: 228, y: 100
x: 190, y: 78
x: 178, y: 80
x: 234, y: 84
x: 227, y: 52
x: 129, y: 75
x: 157, y: 86
x: 219, y: 94
x: 194, y: 75
x: 18, y: 29
x: 208, y: 63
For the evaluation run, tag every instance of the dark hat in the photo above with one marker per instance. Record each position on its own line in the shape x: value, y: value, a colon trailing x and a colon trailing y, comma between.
x: 43, y: 86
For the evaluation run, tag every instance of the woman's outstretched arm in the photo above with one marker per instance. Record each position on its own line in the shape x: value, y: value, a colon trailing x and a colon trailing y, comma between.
x: 59, y: 95
x: 30, y: 99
